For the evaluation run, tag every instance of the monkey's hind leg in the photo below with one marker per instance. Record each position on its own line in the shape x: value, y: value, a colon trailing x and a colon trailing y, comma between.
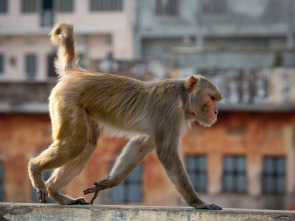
x: 135, y: 150
x: 62, y: 176
x: 71, y: 137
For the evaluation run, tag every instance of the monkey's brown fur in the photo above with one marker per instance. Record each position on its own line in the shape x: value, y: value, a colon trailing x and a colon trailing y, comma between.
x: 155, y: 114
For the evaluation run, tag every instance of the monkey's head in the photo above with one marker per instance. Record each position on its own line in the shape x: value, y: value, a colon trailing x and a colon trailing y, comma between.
x: 201, y: 105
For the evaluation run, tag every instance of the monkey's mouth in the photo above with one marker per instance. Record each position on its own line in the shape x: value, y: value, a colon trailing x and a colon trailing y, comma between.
x: 202, y: 119
x: 205, y: 117
x: 205, y: 120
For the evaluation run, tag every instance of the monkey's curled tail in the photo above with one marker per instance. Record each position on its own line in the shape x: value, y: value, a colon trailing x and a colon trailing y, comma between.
x: 62, y: 35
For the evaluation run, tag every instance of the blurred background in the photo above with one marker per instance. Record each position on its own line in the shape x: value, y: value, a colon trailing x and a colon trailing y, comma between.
x: 245, y: 47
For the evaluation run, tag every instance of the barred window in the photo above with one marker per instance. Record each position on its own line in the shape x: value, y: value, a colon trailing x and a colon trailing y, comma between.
x: 274, y: 175
x: 234, y: 174
x: 50, y: 65
x: 82, y: 60
x: 3, y: 6
x: 31, y: 65
x: 215, y: 6
x: 106, y: 5
x: 1, y: 181
x: 197, y: 170
x: 167, y: 7
x: 1, y: 64
x: 64, y: 5
x: 29, y: 6
x: 129, y: 191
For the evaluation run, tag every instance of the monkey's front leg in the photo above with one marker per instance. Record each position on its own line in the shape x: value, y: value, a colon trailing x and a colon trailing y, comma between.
x: 169, y: 157
x: 132, y: 154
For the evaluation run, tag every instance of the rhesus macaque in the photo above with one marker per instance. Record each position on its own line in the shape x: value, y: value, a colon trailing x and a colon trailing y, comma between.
x: 155, y: 114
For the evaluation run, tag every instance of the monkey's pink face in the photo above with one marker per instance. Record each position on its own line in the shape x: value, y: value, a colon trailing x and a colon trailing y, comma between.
x: 202, y: 105
x: 208, y: 113
x: 205, y: 111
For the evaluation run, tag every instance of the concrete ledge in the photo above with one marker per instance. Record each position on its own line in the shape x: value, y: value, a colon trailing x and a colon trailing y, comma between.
x: 23, y: 212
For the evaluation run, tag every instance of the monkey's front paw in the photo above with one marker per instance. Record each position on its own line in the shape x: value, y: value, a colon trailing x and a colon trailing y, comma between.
x: 91, y: 190
x: 94, y: 190
x: 208, y: 206
x: 42, y: 195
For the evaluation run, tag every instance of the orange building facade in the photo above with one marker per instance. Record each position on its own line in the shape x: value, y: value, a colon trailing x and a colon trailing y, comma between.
x: 233, y: 157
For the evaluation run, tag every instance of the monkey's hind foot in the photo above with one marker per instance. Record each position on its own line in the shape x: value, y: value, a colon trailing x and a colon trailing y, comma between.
x: 78, y: 201
x: 42, y: 195
x: 208, y: 206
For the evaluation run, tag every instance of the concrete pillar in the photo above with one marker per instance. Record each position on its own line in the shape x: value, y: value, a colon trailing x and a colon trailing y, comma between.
x: 290, y: 162
x: 289, y: 134
x: 123, y: 44
x: 137, y: 35
x: 254, y: 174
x: 215, y: 173
x: 290, y: 33
x: 292, y: 82
x: 275, y: 86
x: 199, y: 34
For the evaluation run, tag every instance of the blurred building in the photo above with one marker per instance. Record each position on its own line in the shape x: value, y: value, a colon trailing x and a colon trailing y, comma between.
x: 246, y: 160
x: 216, y: 33
x: 102, y: 29
x: 247, y: 49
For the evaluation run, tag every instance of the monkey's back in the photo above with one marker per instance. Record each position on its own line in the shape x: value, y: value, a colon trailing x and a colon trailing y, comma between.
x: 108, y: 98
x: 105, y: 97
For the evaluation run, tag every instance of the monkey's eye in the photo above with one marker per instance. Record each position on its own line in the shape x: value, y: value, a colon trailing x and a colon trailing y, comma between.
x: 212, y: 98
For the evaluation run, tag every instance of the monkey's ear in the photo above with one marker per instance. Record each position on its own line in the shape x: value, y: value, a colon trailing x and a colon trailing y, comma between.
x: 191, y: 83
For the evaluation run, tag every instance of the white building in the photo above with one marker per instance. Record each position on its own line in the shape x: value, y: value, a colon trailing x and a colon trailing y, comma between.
x: 102, y: 28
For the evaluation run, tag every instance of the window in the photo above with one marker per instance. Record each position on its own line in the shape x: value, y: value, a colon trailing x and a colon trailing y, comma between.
x: 234, y: 174
x: 3, y: 6
x: 274, y: 175
x: 1, y: 181
x: 106, y: 5
x: 215, y: 6
x: 31, y: 65
x: 29, y: 6
x: 1, y: 64
x: 47, y: 13
x: 167, y: 7
x: 50, y: 65
x: 81, y: 61
x: 45, y: 176
x: 129, y: 191
x: 64, y: 5
x: 197, y: 170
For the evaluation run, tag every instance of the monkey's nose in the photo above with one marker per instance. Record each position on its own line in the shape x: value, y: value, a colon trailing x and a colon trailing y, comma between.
x: 216, y: 112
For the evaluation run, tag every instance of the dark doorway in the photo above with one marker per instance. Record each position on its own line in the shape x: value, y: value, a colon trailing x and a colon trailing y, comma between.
x: 50, y: 65
x: 47, y: 4
x: 47, y: 13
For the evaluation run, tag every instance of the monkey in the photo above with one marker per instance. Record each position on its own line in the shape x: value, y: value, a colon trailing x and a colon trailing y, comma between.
x: 153, y: 114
